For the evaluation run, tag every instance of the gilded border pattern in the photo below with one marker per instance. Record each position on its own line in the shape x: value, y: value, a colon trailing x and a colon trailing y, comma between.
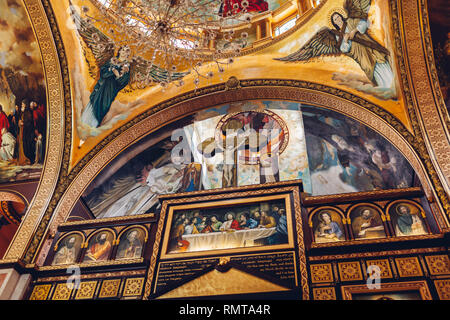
x: 432, y: 66
x: 53, y: 58
x: 408, y: 39
x: 375, y: 254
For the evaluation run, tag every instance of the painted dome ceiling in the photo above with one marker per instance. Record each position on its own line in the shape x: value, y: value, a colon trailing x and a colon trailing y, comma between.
x: 268, y: 54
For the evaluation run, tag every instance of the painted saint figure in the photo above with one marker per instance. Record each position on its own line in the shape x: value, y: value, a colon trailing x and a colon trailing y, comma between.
x: 99, y: 251
x: 25, y: 138
x: 230, y: 223
x: 116, y: 72
x: 328, y: 230
x: 350, y: 37
x: 67, y: 253
x: 114, y: 76
x: 131, y: 246
x: 407, y: 223
x: 368, y: 224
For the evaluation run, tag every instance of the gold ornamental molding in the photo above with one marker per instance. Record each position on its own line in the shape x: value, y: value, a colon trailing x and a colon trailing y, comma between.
x: 425, y: 103
x: 56, y: 123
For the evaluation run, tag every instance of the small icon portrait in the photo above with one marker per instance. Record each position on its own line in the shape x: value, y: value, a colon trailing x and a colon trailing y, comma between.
x: 131, y: 244
x: 68, y: 249
x: 99, y: 247
x: 328, y: 226
x: 407, y: 220
x: 367, y: 223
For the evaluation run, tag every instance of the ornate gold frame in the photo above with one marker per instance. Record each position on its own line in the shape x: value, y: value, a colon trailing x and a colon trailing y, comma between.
x: 138, y: 219
x: 223, y: 203
x: 421, y: 286
x: 377, y: 209
x: 248, y: 191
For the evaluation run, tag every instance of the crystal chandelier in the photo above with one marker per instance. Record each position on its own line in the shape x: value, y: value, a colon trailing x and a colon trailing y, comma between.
x: 179, y: 36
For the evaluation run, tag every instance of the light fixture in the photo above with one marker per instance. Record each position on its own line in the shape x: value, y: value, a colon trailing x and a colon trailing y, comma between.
x: 175, y: 35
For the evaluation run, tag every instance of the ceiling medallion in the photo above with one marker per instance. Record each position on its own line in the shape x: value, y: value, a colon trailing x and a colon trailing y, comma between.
x: 164, y: 40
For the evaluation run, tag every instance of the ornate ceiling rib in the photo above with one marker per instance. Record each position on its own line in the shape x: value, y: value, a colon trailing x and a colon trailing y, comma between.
x: 59, y: 111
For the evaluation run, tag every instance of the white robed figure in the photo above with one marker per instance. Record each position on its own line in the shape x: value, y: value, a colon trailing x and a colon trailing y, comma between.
x: 8, y: 145
x: 143, y: 196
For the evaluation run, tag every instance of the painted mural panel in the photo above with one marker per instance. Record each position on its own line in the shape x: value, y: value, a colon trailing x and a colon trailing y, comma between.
x: 115, y: 71
x: 23, y: 117
x: 240, y: 226
x: 356, y: 30
x: 246, y: 143
x: 219, y: 147
x: 346, y: 156
x: 364, y: 64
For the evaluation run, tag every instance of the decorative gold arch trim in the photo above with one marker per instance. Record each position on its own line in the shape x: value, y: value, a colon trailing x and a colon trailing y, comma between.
x: 300, y: 91
x: 424, y: 100
x: 13, y: 196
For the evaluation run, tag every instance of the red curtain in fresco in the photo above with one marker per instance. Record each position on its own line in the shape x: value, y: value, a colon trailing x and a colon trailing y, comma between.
x: 253, y: 6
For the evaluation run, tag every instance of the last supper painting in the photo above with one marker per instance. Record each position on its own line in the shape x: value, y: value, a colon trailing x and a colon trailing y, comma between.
x: 265, y: 223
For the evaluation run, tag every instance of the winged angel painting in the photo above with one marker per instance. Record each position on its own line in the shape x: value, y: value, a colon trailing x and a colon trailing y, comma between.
x: 116, y: 70
x: 349, y: 36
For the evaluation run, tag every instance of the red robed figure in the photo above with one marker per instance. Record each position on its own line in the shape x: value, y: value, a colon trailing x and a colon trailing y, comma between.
x: 253, y: 6
x: 4, y: 123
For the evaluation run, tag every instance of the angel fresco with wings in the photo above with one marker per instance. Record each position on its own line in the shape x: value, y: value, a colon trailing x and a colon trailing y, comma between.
x: 349, y: 36
x: 115, y: 71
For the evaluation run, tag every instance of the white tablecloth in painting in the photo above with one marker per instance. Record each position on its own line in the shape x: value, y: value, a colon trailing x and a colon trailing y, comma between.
x: 226, y: 240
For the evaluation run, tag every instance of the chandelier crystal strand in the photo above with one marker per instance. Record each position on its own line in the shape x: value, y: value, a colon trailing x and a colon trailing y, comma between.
x: 175, y: 35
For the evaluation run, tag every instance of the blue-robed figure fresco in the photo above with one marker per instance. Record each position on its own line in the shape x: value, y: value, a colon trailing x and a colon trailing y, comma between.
x: 114, y: 76
x: 115, y: 71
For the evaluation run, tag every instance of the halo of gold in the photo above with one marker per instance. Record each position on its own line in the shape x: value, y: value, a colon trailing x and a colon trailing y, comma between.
x: 340, y: 10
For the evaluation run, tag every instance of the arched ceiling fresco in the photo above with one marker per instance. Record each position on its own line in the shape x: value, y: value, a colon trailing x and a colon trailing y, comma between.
x: 331, y: 153
x: 259, y: 62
